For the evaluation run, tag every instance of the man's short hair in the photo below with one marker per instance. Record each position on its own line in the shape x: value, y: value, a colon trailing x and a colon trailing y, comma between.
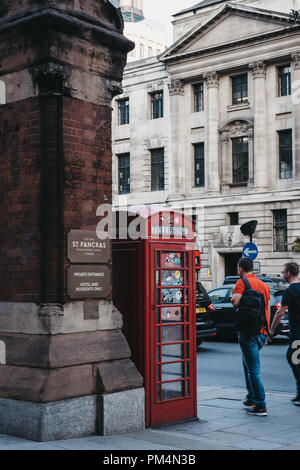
x: 292, y: 268
x: 246, y: 264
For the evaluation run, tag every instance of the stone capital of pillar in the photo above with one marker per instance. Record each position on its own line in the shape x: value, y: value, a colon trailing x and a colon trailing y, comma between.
x: 259, y: 69
x: 212, y: 79
x: 224, y: 135
x: 296, y: 60
x: 176, y: 87
x: 49, y: 77
x: 114, y: 87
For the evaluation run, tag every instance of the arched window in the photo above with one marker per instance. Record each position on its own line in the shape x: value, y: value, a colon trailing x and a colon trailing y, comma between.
x: 2, y: 92
x: 237, y: 152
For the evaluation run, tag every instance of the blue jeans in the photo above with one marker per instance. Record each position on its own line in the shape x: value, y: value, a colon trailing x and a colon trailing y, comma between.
x: 251, y: 346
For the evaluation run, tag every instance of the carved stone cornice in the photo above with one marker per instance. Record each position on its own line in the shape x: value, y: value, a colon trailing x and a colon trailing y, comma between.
x: 176, y: 87
x: 114, y: 87
x: 237, y: 129
x: 259, y: 69
x: 49, y: 77
x: 212, y: 79
x: 296, y: 60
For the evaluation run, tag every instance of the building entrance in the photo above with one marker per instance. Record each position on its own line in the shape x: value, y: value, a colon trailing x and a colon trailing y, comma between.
x: 231, y: 261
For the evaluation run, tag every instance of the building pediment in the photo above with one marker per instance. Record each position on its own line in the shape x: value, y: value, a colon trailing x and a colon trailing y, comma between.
x: 229, y: 25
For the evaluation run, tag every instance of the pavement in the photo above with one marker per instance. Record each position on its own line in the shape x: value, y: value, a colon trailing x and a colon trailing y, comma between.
x: 223, y: 425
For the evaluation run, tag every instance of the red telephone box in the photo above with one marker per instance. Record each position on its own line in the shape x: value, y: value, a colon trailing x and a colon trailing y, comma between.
x: 154, y: 289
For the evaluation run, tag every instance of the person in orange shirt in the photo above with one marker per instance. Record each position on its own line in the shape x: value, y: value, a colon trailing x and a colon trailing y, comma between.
x: 251, y: 344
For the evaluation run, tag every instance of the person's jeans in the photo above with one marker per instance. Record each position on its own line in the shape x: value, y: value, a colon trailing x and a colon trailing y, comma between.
x: 293, y: 358
x: 251, y: 346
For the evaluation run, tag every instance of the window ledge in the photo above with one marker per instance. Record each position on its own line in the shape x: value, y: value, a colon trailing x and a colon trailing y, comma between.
x: 237, y: 107
x: 235, y: 185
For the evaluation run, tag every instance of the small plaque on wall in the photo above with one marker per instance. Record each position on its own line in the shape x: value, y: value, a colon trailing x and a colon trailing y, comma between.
x: 89, y: 282
x: 85, y: 247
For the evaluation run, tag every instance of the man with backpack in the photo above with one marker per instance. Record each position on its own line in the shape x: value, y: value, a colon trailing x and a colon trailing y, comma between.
x: 251, y: 297
x: 291, y: 301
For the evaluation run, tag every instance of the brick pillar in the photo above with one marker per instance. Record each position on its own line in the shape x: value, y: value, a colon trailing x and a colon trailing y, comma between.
x: 67, y: 370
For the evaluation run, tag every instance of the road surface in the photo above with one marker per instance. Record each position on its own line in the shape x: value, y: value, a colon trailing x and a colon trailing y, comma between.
x: 219, y: 363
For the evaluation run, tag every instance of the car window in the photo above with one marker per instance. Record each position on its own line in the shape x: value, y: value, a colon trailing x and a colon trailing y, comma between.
x: 231, y: 280
x: 269, y: 283
x: 218, y: 295
x: 201, y: 295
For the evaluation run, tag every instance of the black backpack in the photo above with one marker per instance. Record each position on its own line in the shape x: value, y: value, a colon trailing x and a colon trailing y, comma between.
x: 251, y: 315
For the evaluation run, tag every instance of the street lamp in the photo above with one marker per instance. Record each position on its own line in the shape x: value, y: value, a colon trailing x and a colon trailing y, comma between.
x: 249, y: 228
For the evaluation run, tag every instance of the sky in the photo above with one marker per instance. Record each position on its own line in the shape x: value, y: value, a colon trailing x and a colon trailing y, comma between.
x: 162, y: 10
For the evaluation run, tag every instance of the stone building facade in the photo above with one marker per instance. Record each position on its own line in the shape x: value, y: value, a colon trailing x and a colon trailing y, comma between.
x: 213, y: 126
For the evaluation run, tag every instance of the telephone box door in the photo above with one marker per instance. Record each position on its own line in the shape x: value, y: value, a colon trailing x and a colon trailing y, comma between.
x: 172, y: 334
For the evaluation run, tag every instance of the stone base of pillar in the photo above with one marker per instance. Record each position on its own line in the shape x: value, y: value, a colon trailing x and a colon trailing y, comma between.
x: 175, y: 197
x: 121, y: 412
x: 213, y: 192
x: 225, y: 187
x: 115, y: 413
x: 260, y: 189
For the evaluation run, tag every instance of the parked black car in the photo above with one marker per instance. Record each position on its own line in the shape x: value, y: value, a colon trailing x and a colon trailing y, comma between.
x: 205, y: 325
x: 224, y: 313
x: 274, y: 282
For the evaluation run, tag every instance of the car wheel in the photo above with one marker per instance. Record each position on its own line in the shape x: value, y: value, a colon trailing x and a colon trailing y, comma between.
x: 199, y: 342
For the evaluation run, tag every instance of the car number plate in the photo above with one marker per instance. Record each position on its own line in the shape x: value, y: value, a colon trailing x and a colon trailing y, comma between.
x: 200, y: 310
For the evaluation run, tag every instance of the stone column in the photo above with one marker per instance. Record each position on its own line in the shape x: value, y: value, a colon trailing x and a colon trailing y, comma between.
x: 67, y: 370
x: 225, y: 160
x: 295, y: 79
x: 176, y: 140
x: 212, y: 152
x: 251, y: 160
x: 261, y: 160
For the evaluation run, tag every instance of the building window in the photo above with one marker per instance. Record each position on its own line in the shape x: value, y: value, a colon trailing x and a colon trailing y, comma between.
x: 233, y: 218
x: 280, y: 230
x: 285, y: 154
x: 157, y: 105
x: 142, y: 51
x: 198, y: 98
x: 240, y: 158
x: 150, y: 52
x: 124, y: 173
x: 157, y: 170
x: 123, y: 108
x: 284, y: 80
x: 240, y: 89
x: 199, y: 165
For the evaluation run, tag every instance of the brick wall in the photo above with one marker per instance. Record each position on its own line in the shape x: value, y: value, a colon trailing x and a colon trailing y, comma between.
x: 20, y: 190
x: 55, y: 169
